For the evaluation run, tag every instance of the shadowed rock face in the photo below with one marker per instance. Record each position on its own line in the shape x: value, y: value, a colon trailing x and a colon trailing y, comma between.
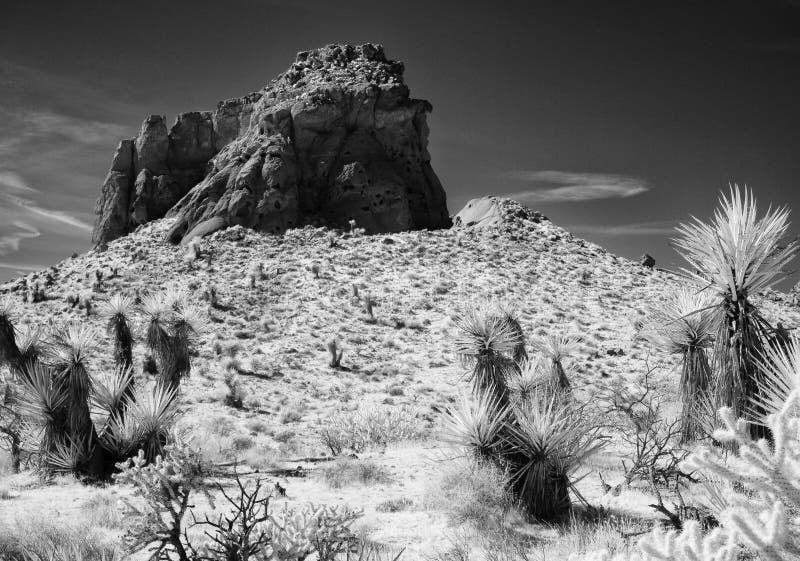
x: 334, y: 138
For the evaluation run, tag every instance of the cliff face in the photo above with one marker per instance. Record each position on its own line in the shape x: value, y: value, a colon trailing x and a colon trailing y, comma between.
x: 334, y: 138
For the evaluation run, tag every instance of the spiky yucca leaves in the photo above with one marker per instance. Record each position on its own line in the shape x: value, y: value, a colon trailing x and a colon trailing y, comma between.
x: 9, y: 351
x: 112, y: 393
x: 118, y: 314
x: 683, y: 325
x: 548, y: 441
x: 146, y: 424
x: 509, y: 315
x: 476, y: 423
x: 43, y: 399
x: 737, y: 255
x: 555, y: 349
x: 31, y: 344
x: 524, y: 384
x: 71, y: 349
x: 484, y: 344
x: 780, y: 368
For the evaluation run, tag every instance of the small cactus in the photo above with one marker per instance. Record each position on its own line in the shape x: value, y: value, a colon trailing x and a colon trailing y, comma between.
x: 336, y: 354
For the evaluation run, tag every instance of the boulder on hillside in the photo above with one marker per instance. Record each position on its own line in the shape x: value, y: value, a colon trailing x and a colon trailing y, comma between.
x: 647, y: 260
x: 334, y: 138
x: 494, y: 211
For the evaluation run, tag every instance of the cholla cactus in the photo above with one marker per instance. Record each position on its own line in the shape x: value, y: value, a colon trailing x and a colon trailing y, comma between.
x: 683, y: 325
x: 764, y: 520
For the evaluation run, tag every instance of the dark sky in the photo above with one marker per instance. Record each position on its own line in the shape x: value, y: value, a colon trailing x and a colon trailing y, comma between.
x: 616, y: 119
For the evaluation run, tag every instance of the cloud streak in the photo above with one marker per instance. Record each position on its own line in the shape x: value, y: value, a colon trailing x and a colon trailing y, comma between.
x: 655, y: 228
x: 553, y: 186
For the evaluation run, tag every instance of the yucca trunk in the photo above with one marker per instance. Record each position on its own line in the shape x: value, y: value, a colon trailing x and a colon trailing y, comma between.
x: 695, y: 382
x: 490, y: 374
x: 740, y: 340
x: 544, y: 491
x: 559, y: 376
x: 158, y: 340
x: 9, y: 351
x: 123, y: 350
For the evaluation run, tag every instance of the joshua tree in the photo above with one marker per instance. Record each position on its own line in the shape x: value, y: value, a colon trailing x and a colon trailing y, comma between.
x: 736, y: 256
x: 683, y: 325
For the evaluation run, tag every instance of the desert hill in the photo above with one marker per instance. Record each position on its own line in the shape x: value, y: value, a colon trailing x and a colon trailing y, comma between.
x: 278, y: 300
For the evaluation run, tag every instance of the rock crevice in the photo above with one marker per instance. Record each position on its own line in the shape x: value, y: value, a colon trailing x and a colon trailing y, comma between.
x: 334, y: 138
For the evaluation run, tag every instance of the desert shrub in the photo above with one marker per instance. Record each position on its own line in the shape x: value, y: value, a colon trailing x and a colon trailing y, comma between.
x: 369, y: 427
x: 471, y: 491
x: 345, y: 471
x: 394, y: 505
x: 44, y: 537
x: 235, y: 391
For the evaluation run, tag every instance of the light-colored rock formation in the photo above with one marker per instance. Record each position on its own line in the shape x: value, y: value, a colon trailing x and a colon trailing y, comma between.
x: 334, y: 138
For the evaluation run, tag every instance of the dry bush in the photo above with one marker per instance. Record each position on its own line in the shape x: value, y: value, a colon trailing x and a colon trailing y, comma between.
x: 346, y: 471
x: 372, y: 427
x: 44, y: 537
x: 471, y: 491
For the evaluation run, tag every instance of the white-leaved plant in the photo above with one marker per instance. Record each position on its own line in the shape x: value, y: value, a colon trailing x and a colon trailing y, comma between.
x: 764, y: 521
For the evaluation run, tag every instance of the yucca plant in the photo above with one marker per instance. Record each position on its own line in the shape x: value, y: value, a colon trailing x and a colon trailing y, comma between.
x: 146, y: 424
x: 737, y: 255
x: 527, y: 381
x: 185, y: 327
x: 509, y: 315
x: 172, y: 327
x: 485, y: 344
x: 158, y: 316
x: 476, y: 424
x: 683, y: 325
x: 44, y: 399
x: 31, y: 344
x: 69, y: 357
x: 112, y: 393
x: 555, y: 348
x: 118, y: 314
x: 548, y: 441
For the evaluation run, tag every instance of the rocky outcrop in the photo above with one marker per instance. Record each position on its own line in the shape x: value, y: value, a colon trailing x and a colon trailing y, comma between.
x: 336, y: 137
x: 495, y: 212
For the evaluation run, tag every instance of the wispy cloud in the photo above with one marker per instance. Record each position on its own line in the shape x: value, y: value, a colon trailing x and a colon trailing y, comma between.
x: 552, y: 186
x: 656, y: 228
x: 10, y: 242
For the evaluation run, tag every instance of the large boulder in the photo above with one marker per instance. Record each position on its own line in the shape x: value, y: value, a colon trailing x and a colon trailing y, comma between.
x: 334, y: 138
